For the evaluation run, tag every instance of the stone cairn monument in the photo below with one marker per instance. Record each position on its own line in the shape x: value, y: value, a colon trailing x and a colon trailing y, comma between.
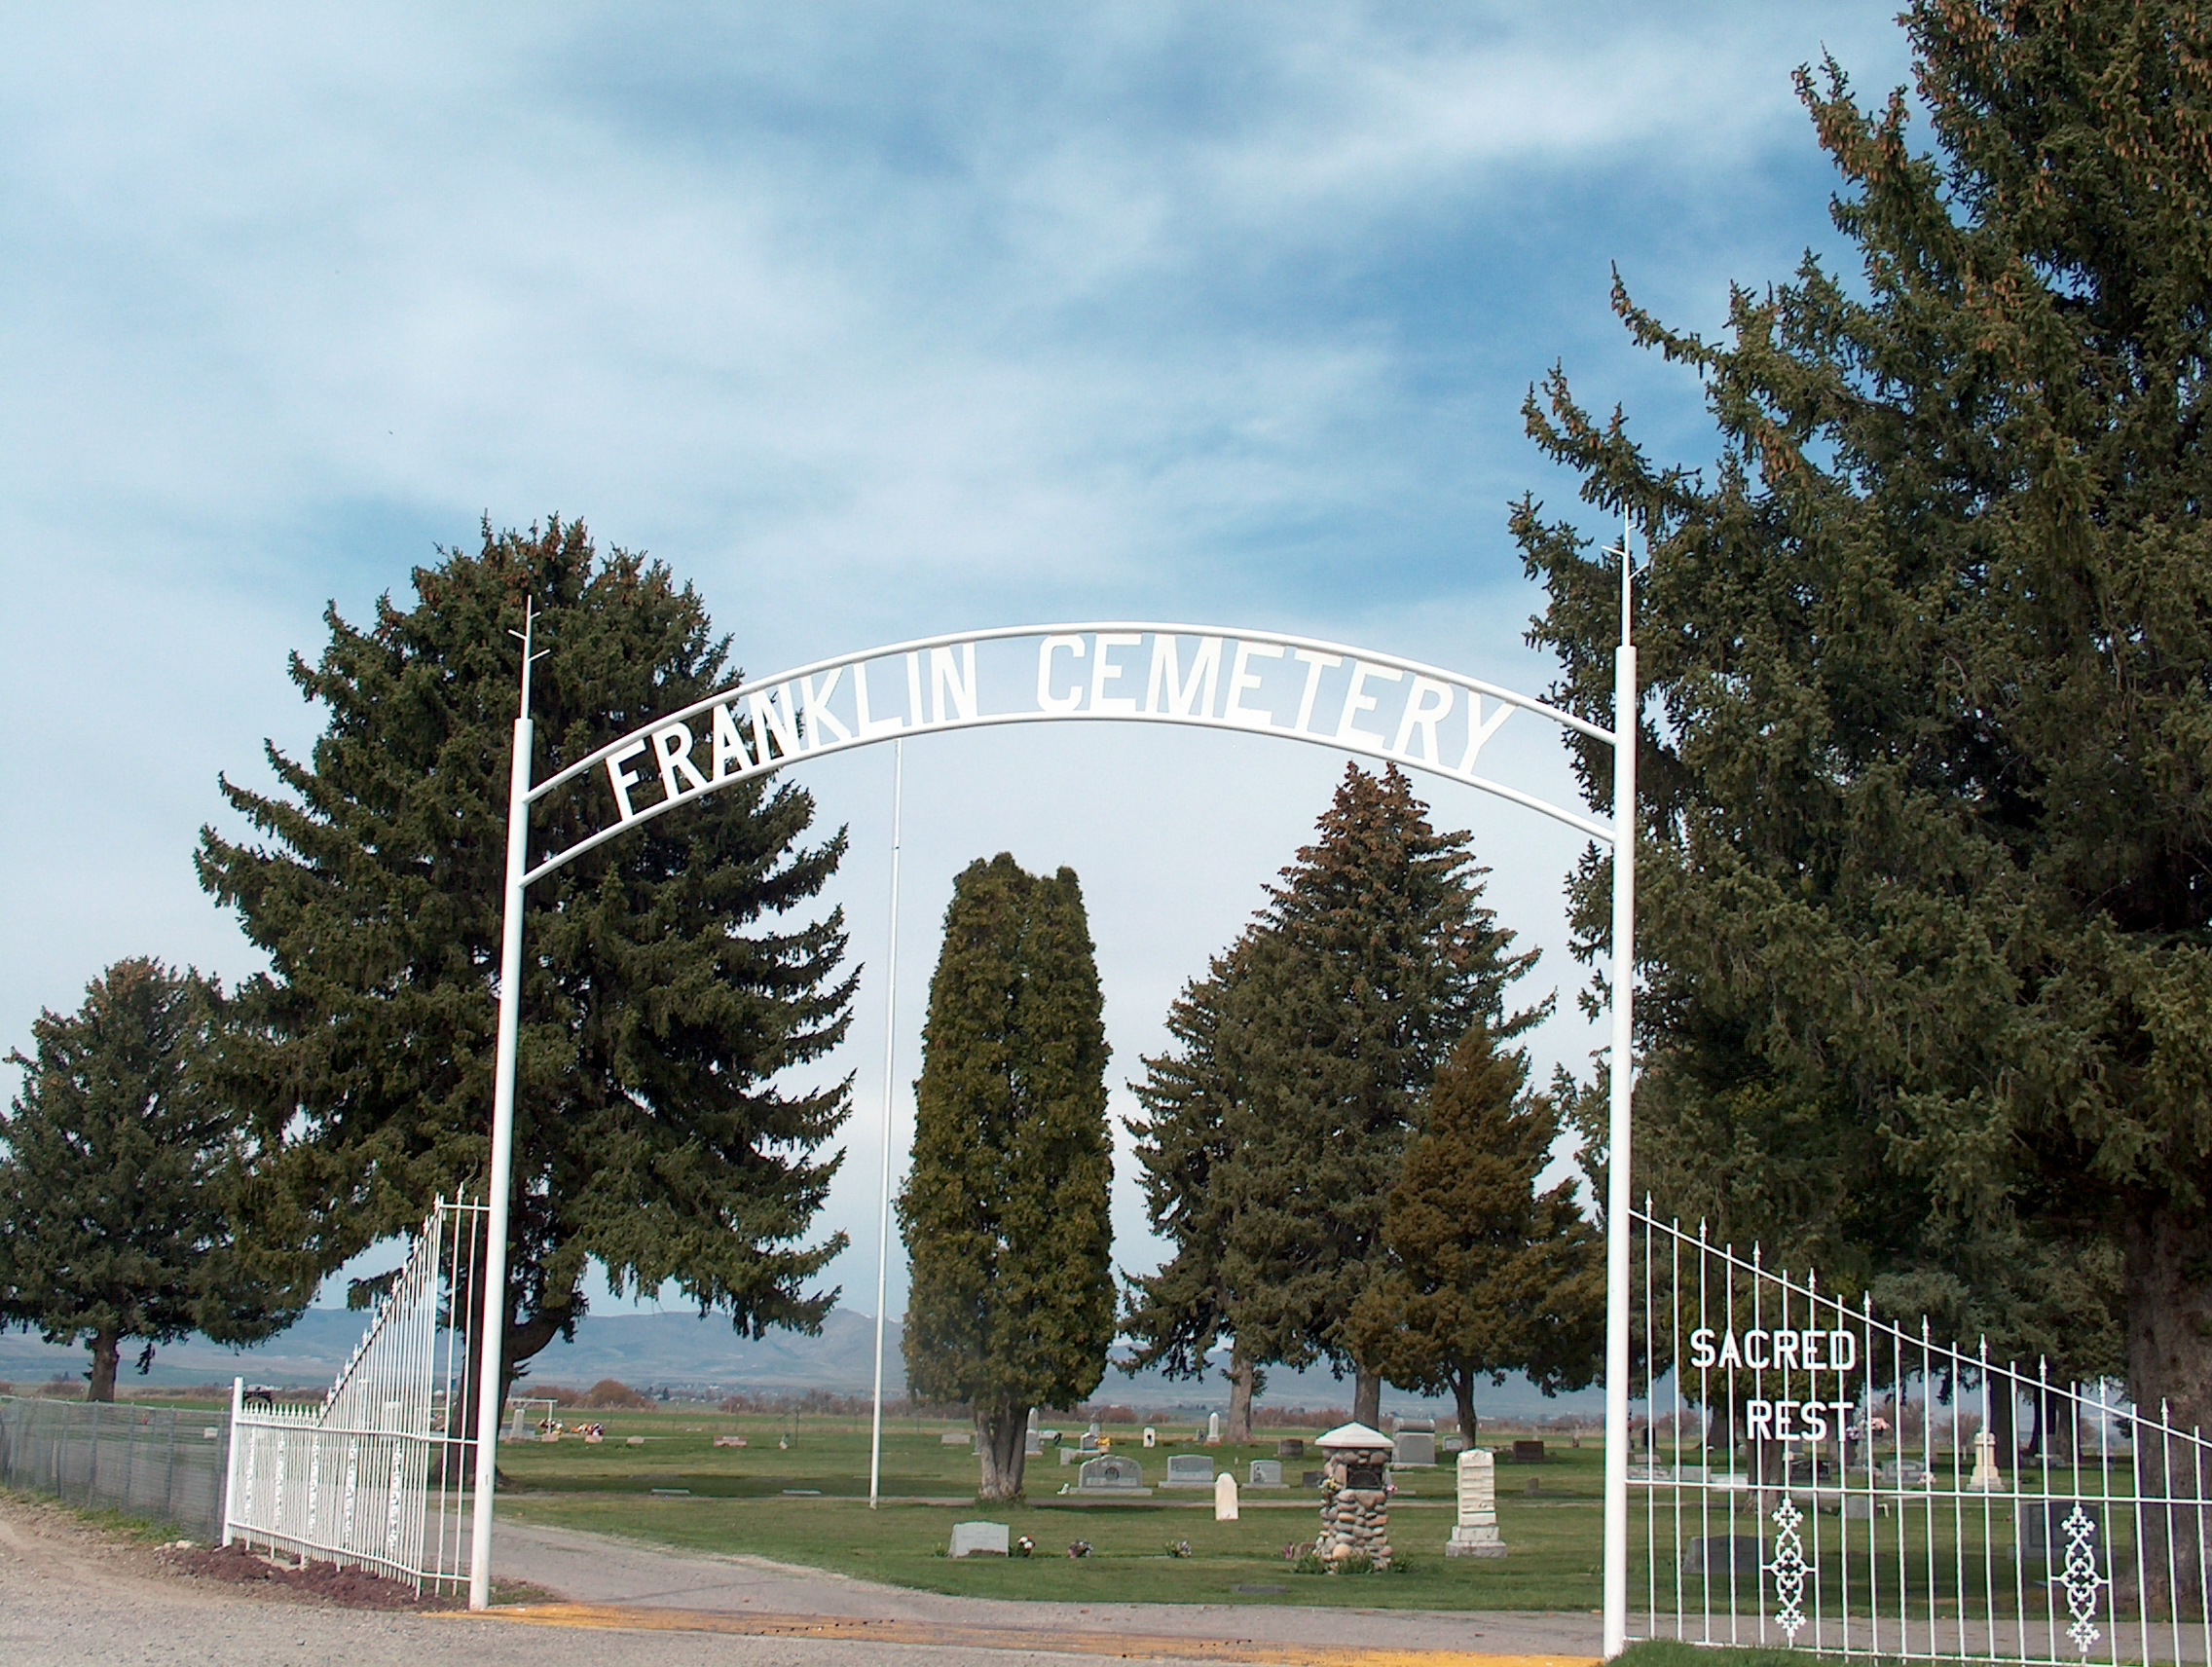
x: 1476, y: 1533
x: 1355, y: 1508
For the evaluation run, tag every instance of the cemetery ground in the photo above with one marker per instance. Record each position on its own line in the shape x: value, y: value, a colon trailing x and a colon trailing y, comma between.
x: 807, y: 1503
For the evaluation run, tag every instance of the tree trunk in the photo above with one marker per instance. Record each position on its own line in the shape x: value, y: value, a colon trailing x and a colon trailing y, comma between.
x: 2169, y: 1376
x: 1240, y: 1375
x: 1463, y: 1391
x: 101, y: 1387
x: 1002, y: 1430
x: 1367, y: 1399
x: 2005, y: 1417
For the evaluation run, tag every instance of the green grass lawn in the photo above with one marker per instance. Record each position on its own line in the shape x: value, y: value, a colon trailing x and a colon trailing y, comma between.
x: 739, y: 1502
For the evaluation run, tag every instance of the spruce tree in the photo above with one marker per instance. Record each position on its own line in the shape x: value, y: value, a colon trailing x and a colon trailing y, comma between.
x: 119, y: 1170
x: 670, y: 997
x: 1372, y: 959
x: 1177, y: 1316
x: 1005, y: 1211
x: 1486, y: 1275
x: 1924, y: 913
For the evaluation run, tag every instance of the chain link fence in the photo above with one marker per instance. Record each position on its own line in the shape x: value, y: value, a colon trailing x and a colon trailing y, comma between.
x: 152, y: 1461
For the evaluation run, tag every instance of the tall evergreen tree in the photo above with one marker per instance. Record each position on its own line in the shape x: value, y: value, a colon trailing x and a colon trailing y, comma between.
x: 1927, y: 920
x: 119, y: 1170
x: 1179, y: 1314
x: 1486, y: 1275
x: 1372, y: 959
x: 668, y: 997
x: 1005, y: 1211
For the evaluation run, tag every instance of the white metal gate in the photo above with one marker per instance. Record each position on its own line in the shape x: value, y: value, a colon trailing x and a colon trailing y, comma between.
x: 1807, y: 1472
x: 375, y: 1476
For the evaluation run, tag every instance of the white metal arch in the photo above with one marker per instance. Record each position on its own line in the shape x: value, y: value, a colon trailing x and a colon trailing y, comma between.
x: 764, y: 724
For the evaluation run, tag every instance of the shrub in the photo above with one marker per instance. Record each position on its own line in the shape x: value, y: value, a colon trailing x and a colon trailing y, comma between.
x: 608, y: 1392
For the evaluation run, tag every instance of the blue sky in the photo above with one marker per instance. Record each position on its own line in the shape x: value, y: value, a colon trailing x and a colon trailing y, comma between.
x: 869, y: 320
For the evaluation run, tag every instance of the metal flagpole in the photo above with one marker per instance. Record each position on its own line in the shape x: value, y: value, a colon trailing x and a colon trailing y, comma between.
x: 501, y: 1179
x: 1617, y: 1197
x: 890, y: 1095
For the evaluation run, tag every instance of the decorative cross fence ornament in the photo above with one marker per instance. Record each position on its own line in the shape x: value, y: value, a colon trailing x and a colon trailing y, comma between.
x: 375, y: 1476
x: 1813, y: 1474
x: 2081, y: 1578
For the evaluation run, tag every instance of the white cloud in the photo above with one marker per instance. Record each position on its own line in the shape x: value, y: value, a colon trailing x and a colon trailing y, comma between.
x: 873, y: 321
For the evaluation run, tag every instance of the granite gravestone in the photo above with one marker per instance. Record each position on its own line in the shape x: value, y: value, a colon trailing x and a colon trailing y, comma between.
x: 977, y: 1540
x: 1109, y: 1474
x: 1189, y: 1471
x: 1416, y: 1450
x: 1266, y: 1474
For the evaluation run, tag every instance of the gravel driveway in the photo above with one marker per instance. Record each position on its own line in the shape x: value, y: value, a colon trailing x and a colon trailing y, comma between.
x: 71, y: 1598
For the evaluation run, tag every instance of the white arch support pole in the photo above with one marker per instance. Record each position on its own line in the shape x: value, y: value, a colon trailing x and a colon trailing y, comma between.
x: 501, y: 1180
x: 1617, y: 1196
x: 890, y: 1091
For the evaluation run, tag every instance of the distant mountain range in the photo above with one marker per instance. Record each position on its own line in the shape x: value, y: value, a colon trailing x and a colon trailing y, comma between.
x: 687, y: 1354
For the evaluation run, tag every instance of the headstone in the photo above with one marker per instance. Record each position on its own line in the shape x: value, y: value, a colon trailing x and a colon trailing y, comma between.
x: 1475, y: 1534
x: 729, y: 1441
x: 1214, y: 1429
x: 1266, y: 1474
x: 957, y: 1438
x: 635, y: 1441
x: 1225, y: 1497
x: 1110, y: 1474
x: 1455, y: 1444
x: 1069, y: 1455
x: 1715, y: 1554
x: 1417, y: 1449
x: 1421, y: 1425
x: 1093, y: 1432
x: 1312, y: 1478
x: 1902, y: 1473
x: 1151, y: 1436
x: 1032, y: 1444
x: 1986, y: 1477
x: 1355, y: 1516
x: 1190, y: 1471
x: 1527, y: 1453
x: 1290, y: 1446
x: 978, y: 1539
x: 1032, y: 1417
x: 2042, y: 1527
x: 1862, y: 1507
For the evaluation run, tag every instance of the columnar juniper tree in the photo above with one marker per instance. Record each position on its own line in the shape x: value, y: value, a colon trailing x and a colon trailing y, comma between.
x: 1926, y: 919
x: 670, y: 996
x: 1487, y: 1275
x: 119, y: 1169
x: 1335, y: 1010
x: 1004, y: 1213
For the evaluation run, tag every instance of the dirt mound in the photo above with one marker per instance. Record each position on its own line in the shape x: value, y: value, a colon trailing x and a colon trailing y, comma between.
x: 354, y: 1588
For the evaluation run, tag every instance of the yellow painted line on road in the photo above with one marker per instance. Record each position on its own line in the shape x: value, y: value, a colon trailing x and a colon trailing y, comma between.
x: 1126, y: 1646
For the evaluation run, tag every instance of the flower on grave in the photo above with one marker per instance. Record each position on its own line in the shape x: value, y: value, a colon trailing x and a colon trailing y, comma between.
x: 1178, y: 1548
x: 1079, y: 1548
x: 1025, y: 1546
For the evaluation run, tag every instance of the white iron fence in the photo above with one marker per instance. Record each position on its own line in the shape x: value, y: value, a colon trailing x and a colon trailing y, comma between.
x: 1809, y: 1473
x: 376, y: 1476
